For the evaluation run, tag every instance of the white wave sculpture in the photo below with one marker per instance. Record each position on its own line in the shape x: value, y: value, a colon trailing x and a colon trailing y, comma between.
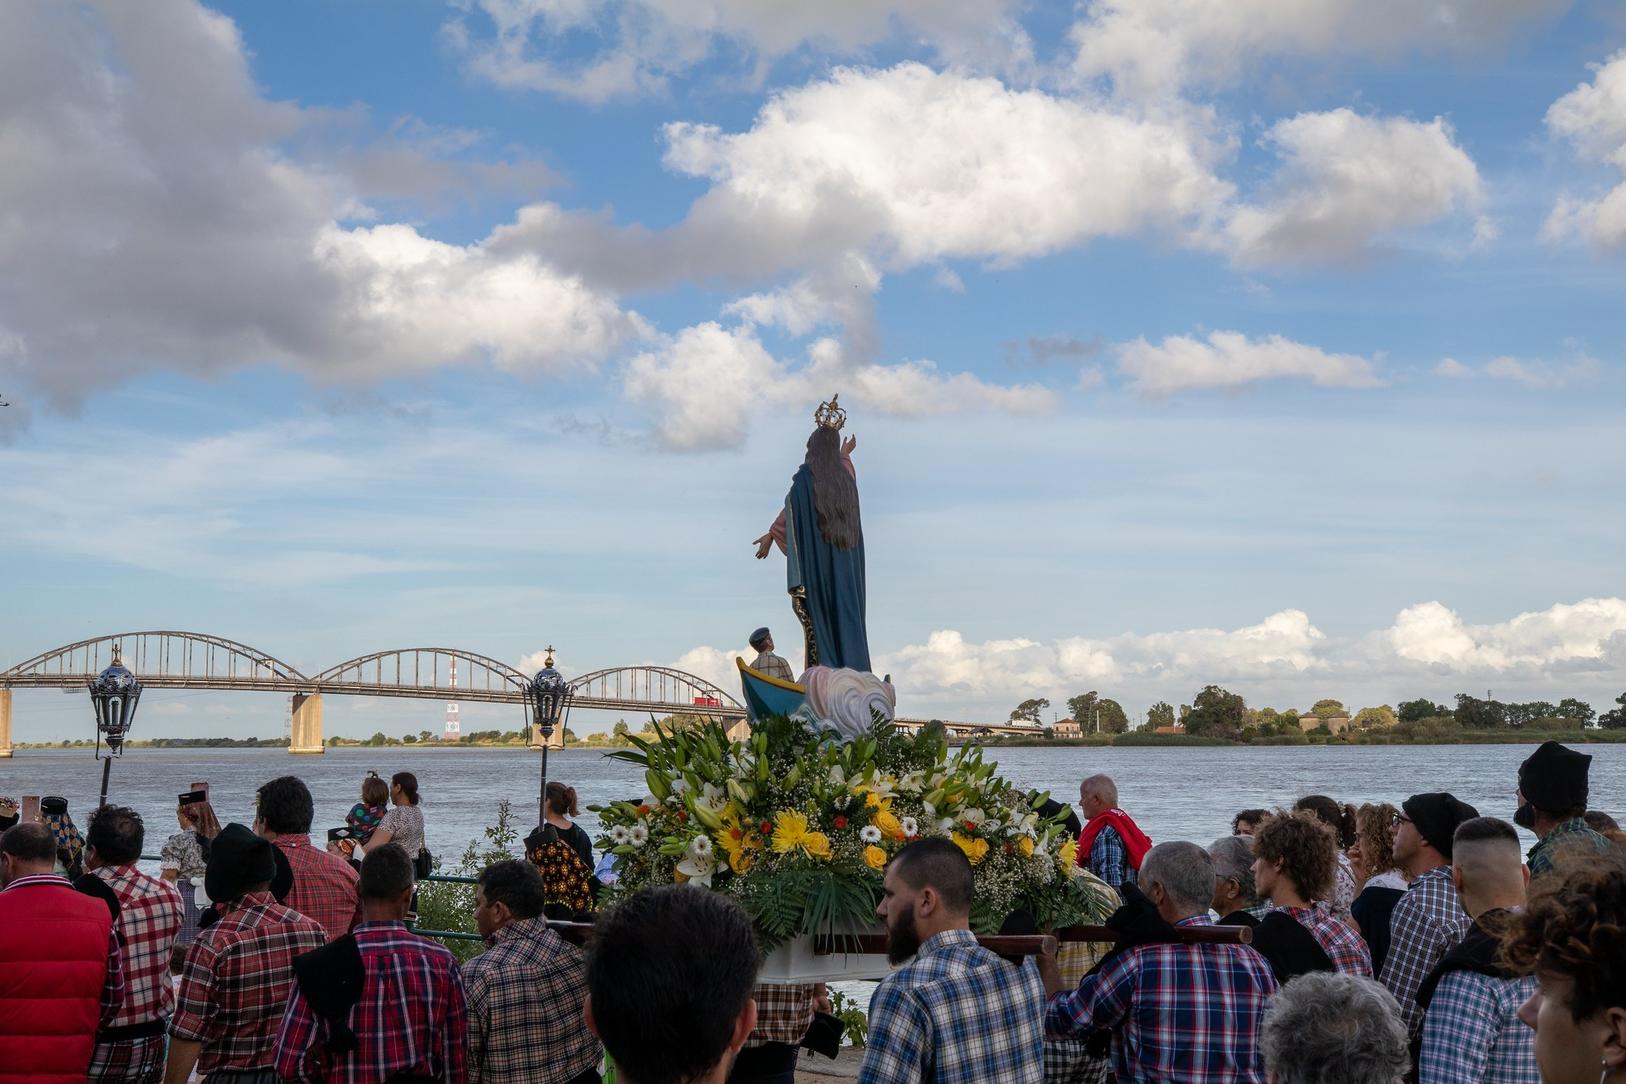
x: 847, y: 701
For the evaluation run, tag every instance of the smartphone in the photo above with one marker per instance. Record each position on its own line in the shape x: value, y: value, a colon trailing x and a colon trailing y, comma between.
x: 29, y: 811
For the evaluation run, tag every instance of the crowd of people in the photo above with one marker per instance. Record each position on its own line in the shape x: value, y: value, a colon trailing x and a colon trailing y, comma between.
x: 1319, y: 943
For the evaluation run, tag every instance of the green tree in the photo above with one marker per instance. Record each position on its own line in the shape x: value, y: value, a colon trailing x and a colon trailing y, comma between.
x: 620, y: 729
x: 1082, y: 709
x: 1475, y: 714
x: 1571, y: 708
x: 1615, y: 718
x: 1327, y: 708
x: 1028, y: 711
x: 409, y: 739
x: 378, y: 738
x: 426, y: 735
x: 1410, y: 711
x: 1215, y: 712
x: 1378, y: 718
x: 1160, y: 714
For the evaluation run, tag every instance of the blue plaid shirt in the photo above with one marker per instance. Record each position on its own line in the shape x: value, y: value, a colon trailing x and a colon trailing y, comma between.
x: 1571, y: 834
x: 1427, y: 921
x: 1183, y: 1013
x: 1472, y: 1033
x: 957, y: 1014
x: 1109, y: 858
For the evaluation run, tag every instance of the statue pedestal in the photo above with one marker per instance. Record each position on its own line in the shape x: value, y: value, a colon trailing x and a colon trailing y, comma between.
x: 795, y: 961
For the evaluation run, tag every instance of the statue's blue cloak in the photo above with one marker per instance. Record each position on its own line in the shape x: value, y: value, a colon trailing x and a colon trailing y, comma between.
x: 826, y: 584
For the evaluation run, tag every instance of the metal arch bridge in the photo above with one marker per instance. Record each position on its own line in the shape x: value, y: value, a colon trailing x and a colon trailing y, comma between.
x: 189, y: 660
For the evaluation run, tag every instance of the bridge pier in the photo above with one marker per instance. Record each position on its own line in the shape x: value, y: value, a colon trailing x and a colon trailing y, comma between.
x: 5, y: 723
x: 305, y: 729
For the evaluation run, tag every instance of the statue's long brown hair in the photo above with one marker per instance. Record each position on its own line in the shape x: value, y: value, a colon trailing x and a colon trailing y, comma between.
x: 835, y: 494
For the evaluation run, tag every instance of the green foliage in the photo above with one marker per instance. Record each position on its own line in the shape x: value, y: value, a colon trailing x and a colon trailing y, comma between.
x: 1029, y: 711
x: 1378, y: 718
x: 1160, y: 714
x: 1615, y: 718
x: 1090, y: 710
x: 1573, y: 708
x: 450, y: 906
x: 1216, y: 713
x: 1327, y: 708
x: 852, y: 1017
x: 1410, y: 711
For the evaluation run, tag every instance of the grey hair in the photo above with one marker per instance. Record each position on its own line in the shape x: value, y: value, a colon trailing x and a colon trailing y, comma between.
x: 1233, y: 861
x: 1184, y: 870
x: 1326, y: 1028
x: 1102, y: 787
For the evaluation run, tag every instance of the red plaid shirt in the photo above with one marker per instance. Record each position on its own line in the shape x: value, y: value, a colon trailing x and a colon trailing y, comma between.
x: 411, y: 1017
x: 324, y: 886
x: 149, y: 921
x: 1343, y: 946
x: 235, y: 984
x: 1176, y: 1012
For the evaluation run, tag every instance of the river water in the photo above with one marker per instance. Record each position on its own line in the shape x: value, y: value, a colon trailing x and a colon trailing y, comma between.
x: 1174, y: 793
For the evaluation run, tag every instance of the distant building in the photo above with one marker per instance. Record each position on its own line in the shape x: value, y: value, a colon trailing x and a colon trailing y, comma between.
x: 1336, y: 724
x: 1066, y: 728
x: 1177, y: 728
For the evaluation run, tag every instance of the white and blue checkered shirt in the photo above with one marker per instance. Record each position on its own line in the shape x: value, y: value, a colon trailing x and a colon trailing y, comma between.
x: 957, y: 1014
x: 1427, y: 921
x: 1472, y: 1033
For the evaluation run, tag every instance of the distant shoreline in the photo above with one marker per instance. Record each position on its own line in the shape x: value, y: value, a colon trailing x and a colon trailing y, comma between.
x: 1132, y: 739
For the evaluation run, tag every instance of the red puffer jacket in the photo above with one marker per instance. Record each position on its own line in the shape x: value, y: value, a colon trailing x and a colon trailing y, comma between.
x: 53, y: 964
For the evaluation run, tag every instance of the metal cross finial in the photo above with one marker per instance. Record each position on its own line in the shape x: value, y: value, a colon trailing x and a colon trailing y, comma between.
x: 549, y: 660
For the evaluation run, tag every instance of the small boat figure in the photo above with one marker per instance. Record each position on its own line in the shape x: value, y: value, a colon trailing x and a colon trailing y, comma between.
x: 765, y: 696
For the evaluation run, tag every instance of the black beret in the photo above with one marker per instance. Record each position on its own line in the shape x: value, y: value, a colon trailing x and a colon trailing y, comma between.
x: 1437, y: 815
x: 1553, y: 778
x: 238, y: 860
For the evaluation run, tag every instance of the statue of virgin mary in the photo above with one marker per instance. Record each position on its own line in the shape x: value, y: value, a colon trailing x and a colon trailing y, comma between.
x: 823, y: 542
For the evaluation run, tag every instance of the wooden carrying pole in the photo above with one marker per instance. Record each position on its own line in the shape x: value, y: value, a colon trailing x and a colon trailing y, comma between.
x: 1022, y: 944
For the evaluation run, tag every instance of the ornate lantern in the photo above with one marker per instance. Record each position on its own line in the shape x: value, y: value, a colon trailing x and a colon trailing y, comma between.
x: 548, y: 696
x: 114, y: 694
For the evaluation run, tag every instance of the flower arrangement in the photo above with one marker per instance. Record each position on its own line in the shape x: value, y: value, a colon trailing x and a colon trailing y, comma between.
x: 798, y: 826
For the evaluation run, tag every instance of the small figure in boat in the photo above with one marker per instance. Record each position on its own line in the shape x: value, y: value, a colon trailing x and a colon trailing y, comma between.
x: 766, y: 661
x: 820, y: 534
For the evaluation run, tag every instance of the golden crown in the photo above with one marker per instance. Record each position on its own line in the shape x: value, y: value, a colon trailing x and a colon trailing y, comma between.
x: 830, y: 415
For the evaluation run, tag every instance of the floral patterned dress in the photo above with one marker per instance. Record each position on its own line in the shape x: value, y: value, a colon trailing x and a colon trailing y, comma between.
x: 183, y: 853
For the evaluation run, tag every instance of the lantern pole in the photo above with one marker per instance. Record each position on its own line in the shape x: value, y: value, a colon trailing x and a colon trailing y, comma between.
x: 114, y: 694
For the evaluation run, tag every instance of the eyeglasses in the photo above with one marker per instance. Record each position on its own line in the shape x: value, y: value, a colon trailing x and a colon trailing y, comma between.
x: 1399, y: 819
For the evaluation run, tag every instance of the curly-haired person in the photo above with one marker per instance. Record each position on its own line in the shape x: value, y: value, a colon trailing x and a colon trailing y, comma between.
x: 1572, y: 937
x: 1295, y: 857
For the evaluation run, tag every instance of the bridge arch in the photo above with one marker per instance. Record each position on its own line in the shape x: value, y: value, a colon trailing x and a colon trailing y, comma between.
x: 161, y: 658
x: 416, y: 671
x: 635, y: 687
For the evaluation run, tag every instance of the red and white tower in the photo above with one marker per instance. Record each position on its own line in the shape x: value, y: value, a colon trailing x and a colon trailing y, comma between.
x: 454, y: 728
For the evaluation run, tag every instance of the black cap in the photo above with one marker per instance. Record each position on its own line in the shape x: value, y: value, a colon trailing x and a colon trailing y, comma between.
x: 238, y: 860
x: 759, y: 636
x: 1553, y: 778
x: 193, y: 796
x: 1436, y: 815
x: 54, y: 805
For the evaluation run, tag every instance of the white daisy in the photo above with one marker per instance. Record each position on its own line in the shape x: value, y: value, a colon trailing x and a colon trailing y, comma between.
x: 618, y: 835
x: 638, y: 835
x: 911, y: 827
x: 869, y: 834
x: 700, y: 846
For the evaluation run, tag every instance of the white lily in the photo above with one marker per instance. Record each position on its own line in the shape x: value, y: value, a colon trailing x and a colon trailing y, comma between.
x: 699, y: 863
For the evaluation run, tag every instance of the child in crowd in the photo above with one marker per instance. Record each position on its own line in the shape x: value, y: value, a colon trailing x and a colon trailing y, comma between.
x: 364, y: 816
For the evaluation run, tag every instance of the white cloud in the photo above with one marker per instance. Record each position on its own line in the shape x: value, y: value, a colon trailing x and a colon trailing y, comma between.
x: 1593, y: 118
x: 1155, y: 47
x: 1229, y: 359
x: 646, y: 44
x: 1347, y: 180
x: 1530, y: 373
x: 162, y: 226
x: 919, y: 166
x: 707, y: 382
x: 1566, y: 633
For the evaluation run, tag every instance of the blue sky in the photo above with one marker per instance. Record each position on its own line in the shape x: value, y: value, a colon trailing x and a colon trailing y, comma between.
x: 1275, y: 345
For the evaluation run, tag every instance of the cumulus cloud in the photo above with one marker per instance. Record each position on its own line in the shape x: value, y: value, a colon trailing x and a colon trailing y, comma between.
x: 1285, y: 657
x: 1530, y: 373
x: 161, y: 225
x: 704, y: 385
x: 1348, y: 179
x: 1157, y: 47
x: 646, y: 44
x: 1593, y: 118
x: 1565, y: 634
x: 1229, y: 359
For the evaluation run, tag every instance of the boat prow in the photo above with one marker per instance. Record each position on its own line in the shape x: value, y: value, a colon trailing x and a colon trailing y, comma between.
x: 765, y: 695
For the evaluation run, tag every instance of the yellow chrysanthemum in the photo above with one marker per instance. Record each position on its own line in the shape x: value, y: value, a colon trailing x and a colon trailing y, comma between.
x: 875, y: 857
x: 890, y: 826
x: 1068, y: 855
x: 975, y: 849
x: 789, y: 831
x: 872, y: 799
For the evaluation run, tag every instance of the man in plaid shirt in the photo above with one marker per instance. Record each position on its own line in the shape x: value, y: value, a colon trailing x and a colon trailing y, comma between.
x: 525, y: 993
x: 238, y: 973
x: 1429, y: 918
x: 409, y: 1022
x: 957, y: 1014
x: 1176, y: 1012
x: 324, y: 884
x: 131, y: 1047
x: 1471, y: 1030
